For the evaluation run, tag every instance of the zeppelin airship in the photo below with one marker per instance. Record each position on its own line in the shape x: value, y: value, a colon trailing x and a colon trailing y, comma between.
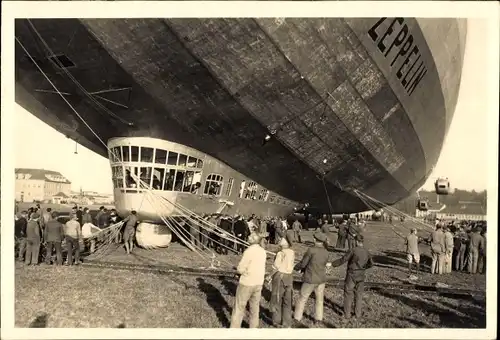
x: 248, y: 115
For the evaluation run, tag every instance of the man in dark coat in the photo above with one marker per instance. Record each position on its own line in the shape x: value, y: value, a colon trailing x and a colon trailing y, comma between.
x: 103, y: 220
x: 352, y: 231
x: 98, y: 215
x: 79, y: 214
x: 313, y: 264
x: 33, y: 240
x: 226, y: 225
x: 53, y: 236
x: 20, y: 233
x: 342, y: 235
x: 358, y: 260
x: 241, y: 232
x: 129, y: 231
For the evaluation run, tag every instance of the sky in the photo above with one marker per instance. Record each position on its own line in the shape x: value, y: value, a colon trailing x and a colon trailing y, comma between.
x: 464, y: 146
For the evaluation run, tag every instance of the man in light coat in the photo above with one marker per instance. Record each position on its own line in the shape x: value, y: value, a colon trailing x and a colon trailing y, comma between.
x: 448, y: 244
x: 436, y: 240
x: 252, y: 268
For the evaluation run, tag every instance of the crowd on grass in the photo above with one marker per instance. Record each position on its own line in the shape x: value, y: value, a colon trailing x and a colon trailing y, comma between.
x: 46, y: 235
x: 453, y: 245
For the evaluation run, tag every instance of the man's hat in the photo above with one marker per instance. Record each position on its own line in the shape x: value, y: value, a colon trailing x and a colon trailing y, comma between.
x: 35, y: 215
x: 254, y: 238
x: 320, y: 237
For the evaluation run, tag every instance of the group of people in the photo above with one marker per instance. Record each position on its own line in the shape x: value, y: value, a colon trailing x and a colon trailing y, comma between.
x: 461, y: 246
x: 313, y: 265
x: 35, y: 229
x: 271, y: 229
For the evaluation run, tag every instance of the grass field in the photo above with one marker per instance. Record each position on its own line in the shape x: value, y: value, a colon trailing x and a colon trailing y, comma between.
x: 81, y: 296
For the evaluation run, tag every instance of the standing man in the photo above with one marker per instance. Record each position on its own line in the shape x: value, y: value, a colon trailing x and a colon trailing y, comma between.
x: 129, y: 231
x: 33, y: 240
x: 313, y: 264
x: 297, y: 227
x: 104, y: 219
x: 227, y: 226
x: 86, y: 217
x: 73, y: 234
x: 282, y: 285
x: 21, y: 225
x: 279, y: 232
x: 47, y: 216
x: 98, y: 215
x: 462, y: 240
x: 240, y: 231
x: 342, y: 235
x: 448, y: 245
x: 53, y: 235
x: 351, y: 234
x: 358, y: 261
x: 87, y: 236
x: 436, y: 240
x: 476, y: 244
x: 252, y: 268
x: 481, y: 263
x: 412, y: 251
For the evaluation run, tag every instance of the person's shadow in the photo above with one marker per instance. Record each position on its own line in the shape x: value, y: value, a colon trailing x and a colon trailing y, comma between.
x: 40, y: 321
x: 215, y: 300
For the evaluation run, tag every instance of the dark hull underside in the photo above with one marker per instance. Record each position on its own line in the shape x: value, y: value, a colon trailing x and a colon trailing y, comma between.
x: 220, y: 85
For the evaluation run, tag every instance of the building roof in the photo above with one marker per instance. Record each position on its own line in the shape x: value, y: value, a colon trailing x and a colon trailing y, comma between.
x: 61, y: 194
x: 465, y: 208
x: 42, y: 174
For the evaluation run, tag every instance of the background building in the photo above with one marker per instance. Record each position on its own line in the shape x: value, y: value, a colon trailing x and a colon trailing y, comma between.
x: 473, y: 211
x: 40, y: 185
x: 464, y: 210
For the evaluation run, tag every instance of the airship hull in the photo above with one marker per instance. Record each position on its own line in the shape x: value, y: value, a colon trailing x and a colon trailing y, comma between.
x: 349, y: 104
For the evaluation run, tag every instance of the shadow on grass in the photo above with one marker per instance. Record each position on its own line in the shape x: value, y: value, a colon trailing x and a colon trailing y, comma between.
x: 40, y: 321
x: 336, y: 308
x: 425, y: 260
x: 216, y: 301
x: 448, y: 317
x: 414, y: 323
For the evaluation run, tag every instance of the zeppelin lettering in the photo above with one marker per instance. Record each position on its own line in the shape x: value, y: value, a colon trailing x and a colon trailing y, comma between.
x: 406, y: 56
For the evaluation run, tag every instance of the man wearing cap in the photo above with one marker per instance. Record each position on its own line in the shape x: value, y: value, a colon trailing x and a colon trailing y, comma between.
x: 252, y: 268
x: 412, y: 251
x: 313, y: 264
x: 73, y: 234
x: 436, y: 240
x: 476, y: 244
x: 282, y: 285
x: 33, y: 240
x: 358, y: 260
